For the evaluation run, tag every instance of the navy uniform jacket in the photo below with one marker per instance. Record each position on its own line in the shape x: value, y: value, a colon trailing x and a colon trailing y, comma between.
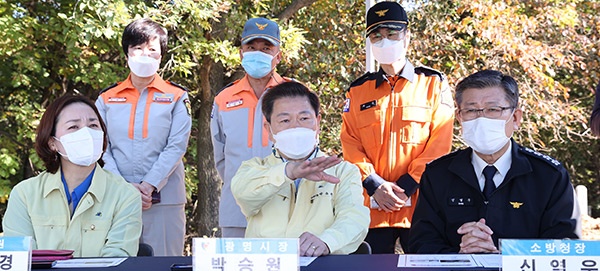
x: 535, y: 200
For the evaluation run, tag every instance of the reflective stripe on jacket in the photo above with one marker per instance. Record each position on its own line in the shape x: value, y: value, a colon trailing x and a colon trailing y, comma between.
x: 238, y: 134
x: 148, y: 135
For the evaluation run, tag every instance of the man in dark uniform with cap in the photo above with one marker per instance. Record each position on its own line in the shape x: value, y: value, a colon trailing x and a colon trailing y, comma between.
x: 496, y: 188
x: 394, y: 122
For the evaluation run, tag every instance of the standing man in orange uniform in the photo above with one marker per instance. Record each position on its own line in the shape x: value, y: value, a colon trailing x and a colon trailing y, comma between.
x: 394, y: 122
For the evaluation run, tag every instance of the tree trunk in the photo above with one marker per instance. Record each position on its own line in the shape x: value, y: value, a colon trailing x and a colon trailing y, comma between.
x: 206, y: 212
x: 290, y: 10
x: 206, y: 207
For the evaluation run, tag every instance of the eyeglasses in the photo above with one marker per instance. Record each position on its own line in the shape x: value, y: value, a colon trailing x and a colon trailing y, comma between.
x: 493, y: 112
x: 390, y: 34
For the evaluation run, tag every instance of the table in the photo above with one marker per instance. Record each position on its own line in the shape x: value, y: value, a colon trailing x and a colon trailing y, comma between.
x: 357, y: 262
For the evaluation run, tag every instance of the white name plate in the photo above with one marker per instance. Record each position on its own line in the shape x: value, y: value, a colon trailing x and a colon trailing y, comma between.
x: 245, y: 254
x: 15, y: 253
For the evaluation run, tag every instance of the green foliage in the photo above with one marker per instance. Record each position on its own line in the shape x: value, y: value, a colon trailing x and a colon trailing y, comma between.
x: 332, y: 58
x: 48, y: 48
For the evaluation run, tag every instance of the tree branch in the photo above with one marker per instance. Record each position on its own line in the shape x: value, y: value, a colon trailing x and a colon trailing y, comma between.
x: 12, y: 138
x: 290, y: 10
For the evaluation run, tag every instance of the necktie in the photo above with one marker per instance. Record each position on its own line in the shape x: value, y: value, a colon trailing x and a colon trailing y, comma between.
x: 489, y: 187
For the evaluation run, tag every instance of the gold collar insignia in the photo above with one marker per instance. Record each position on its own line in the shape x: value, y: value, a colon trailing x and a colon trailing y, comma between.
x: 516, y: 205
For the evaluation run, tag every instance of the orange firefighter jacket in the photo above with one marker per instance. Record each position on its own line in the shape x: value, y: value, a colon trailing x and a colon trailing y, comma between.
x: 394, y: 125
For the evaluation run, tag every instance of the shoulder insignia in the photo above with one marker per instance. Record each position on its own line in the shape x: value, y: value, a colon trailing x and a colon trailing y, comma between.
x: 445, y: 157
x: 361, y: 80
x: 540, y: 156
x: 107, y: 88
x: 428, y: 71
x: 188, y: 106
x: 346, y: 107
x: 179, y: 86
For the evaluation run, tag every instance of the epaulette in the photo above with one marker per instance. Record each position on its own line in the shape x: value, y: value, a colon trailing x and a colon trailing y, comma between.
x: 226, y: 86
x: 428, y: 71
x: 361, y: 80
x: 107, y: 88
x: 444, y: 157
x: 540, y: 156
x: 179, y: 86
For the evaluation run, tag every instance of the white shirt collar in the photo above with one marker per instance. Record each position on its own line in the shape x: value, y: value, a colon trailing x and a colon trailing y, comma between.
x: 502, y: 166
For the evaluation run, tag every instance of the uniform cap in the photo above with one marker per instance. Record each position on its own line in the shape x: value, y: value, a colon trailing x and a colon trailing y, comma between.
x: 386, y: 14
x: 261, y: 28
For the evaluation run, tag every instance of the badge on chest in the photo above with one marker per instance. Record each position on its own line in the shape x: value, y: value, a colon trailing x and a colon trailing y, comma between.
x: 163, y: 97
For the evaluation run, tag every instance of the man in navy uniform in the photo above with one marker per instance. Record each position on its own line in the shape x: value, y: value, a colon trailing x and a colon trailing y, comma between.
x: 496, y: 188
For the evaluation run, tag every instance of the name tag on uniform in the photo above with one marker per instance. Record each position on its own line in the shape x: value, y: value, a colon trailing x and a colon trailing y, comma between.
x: 117, y: 99
x: 163, y: 98
x: 235, y: 103
x: 368, y: 105
x: 460, y: 201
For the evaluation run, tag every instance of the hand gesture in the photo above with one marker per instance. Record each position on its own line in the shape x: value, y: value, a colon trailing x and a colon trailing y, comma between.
x: 146, y: 194
x: 390, y: 197
x: 477, y: 238
x: 314, y: 169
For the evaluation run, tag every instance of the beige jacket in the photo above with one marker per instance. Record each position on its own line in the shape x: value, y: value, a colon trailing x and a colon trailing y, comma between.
x: 106, y: 223
x: 333, y: 212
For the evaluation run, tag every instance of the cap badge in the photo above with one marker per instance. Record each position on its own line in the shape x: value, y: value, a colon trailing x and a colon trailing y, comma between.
x: 261, y: 26
x: 381, y: 13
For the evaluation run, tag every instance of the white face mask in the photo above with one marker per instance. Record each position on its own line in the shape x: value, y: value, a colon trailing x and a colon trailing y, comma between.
x: 143, y: 66
x: 296, y: 143
x: 83, y: 147
x: 485, y: 136
x: 388, y: 51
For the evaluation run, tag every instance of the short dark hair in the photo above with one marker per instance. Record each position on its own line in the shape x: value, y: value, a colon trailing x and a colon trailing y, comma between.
x: 47, y: 129
x: 489, y: 78
x: 290, y: 90
x: 141, y: 31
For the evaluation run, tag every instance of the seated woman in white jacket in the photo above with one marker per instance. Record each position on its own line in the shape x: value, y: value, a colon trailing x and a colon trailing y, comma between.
x: 298, y: 191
